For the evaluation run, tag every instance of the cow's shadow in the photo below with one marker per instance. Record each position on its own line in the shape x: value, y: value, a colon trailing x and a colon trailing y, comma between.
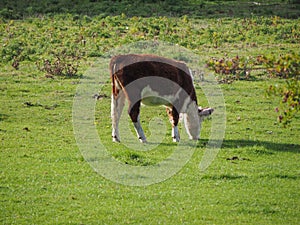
x: 261, y: 146
x: 268, y: 146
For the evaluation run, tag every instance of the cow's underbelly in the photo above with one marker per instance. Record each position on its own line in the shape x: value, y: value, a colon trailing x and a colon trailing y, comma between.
x: 153, y: 98
x: 155, y: 101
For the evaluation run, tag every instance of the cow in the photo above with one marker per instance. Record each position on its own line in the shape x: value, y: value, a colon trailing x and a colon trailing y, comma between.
x: 154, y: 80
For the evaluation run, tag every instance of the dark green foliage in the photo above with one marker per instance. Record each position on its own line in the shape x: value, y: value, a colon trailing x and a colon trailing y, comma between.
x: 19, y: 9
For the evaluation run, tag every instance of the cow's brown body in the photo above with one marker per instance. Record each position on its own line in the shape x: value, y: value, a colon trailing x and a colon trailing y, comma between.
x: 122, y: 68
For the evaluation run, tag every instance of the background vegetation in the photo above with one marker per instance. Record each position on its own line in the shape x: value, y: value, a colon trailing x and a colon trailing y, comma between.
x: 253, y: 48
x: 147, y: 8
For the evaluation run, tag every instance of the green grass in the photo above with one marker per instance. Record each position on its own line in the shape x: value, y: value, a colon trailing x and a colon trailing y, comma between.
x: 44, y: 179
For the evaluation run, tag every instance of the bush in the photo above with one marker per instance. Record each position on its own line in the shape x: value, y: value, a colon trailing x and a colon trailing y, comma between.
x: 285, y: 66
x: 290, y: 100
x: 61, y: 65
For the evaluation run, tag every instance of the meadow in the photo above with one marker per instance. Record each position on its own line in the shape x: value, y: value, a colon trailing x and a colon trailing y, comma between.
x: 46, y: 56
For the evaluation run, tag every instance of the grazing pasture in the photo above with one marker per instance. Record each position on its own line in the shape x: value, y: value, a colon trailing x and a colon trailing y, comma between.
x: 44, y: 178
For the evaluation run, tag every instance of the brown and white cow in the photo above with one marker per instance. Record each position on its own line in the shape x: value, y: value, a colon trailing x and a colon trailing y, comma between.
x: 154, y: 80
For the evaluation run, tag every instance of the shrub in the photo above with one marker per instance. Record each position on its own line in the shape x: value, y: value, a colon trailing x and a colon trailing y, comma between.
x: 284, y: 66
x: 231, y: 69
x: 290, y: 99
x: 61, y: 65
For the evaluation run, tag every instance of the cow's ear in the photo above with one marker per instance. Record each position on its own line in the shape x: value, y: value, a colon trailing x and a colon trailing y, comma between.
x: 205, y: 111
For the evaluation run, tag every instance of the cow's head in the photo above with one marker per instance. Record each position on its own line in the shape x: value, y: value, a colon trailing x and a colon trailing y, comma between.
x: 193, y: 120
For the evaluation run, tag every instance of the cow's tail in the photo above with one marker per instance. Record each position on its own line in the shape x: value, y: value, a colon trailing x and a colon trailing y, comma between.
x: 113, y: 71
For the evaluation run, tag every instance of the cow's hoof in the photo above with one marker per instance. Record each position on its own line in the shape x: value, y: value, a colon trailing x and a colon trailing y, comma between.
x: 143, y: 140
x: 176, y: 139
x: 115, y: 139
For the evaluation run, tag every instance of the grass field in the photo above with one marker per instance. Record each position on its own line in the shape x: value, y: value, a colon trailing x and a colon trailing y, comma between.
x: 44, y: 178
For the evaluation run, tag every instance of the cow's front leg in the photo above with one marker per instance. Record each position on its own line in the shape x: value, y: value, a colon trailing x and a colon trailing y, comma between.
x: 174, y: 118
x: 134, y: 113
x: 117, y: 105
x: 175, y: 134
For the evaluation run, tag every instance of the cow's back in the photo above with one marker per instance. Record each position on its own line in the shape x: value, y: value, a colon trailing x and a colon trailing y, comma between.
x: 129, y: 68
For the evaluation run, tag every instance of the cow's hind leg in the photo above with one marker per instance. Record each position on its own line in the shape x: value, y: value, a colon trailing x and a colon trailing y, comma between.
x: 117, y: 105
x: 134, y: 113
x: 174, y: 118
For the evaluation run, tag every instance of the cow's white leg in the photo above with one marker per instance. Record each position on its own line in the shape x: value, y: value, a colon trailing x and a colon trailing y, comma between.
x: 134, y: 113
x: 117, y: 105
x: 175, y: 134
x: 139, y: 131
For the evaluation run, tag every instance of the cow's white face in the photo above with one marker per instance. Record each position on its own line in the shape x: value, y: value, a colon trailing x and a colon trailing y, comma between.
x: 193, y: 121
